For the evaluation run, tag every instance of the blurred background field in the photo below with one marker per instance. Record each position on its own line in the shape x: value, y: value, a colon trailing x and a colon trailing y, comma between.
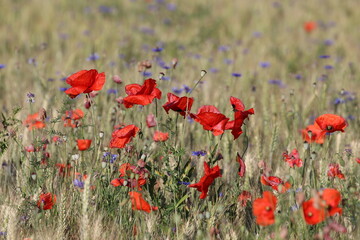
x: 255, y: 50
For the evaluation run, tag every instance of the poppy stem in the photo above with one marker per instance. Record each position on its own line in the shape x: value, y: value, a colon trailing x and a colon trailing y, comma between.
x: 192, y: 89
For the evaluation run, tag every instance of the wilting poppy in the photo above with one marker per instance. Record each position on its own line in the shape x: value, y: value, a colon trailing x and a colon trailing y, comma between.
x: 331, y: 123
x: 64, y: 169
x: 310, y: 26
x: 293, y: 159
x: 34, y: 121
x: 182, y: 105
x: 123, y: 136
x: 240, y: 114
x: 314, y: 212
x: 242, y: 167
x: 264, y: 208
x: 313, y: 133
x: 275, y: 182
x: 71, y: 118
x: 141, y: 94
x: 131, y: 176
x: 85, y: 81
x: 160, y: 136
x: 211, y: 119
x: 150, y: 120
x: 334, y: 171
x: 209, y: 176
x: 46, y: 201
x: 83, y: 144
x: 244, y: 197
x: 138, y: 203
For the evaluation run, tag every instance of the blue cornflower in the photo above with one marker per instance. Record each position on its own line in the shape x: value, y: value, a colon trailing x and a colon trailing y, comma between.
x: 214, y: 70
x: 328, y: 42
x: 224, y: 48
x: 93, y: 57
x: 351, y: 117
x: 187, y: 88
x: 338, y: 101
x: 276, y: 82
x: 157, y: 49
x: 236, y: 74
x: 105, y: 9
x: 32, y: 61
x: 328, y: 67
x: 112, y: 91
x: 63, y: 79
x: 228, y: 61
x: 264, y: 64
x: 51, y: 79
x: 63, y: 89
x: 199, y: 153
x: 2, y: 66
x: 78, y: 183
x: 165, y: 78
x: 184, y: 183
x: 171, y: 6
x: 177, y: 90
x: 3, y: 233
x: 324, y: 56
x: 107, y: 156
x: 190, y: 119
x: 298, y: 76
x: 147, y: 74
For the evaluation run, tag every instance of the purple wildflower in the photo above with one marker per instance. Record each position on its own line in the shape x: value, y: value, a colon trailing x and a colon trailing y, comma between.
x: 93, y: 57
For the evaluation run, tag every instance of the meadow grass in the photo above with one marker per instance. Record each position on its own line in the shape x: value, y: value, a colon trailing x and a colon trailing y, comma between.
x: 44, y: 42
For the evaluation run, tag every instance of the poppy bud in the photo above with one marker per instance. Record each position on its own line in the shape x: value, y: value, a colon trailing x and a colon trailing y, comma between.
x: 87, y: 103
x: 207, y: 215
x: 203, y: 73
x: 75, y: 157
x: 137, y: 176
x: 161, y: 75
x: 103, y: 164
x: 33, y: 176
x: 146, y: 175
x: 306, y: 145
x: 101, y: 134
x: 125, y: 182
x: 132, y: 175
x: 117, y: 79
x: 313, y: 155
x: 174, y: 62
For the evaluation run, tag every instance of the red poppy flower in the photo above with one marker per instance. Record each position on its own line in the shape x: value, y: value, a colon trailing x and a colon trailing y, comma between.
x: 263, y: 209
x: 323, y: 205
x: 244, y: 197
x: 211, y: 119
x: 242, y: 167
x: 34, y: 121
x: 160, y: 136
x: 83, y: 144
x: 85, y: 81
x: 71, y: 118
x: 332, y: 197
x: 181, y: 105
x: 331, y: 123
x: 358, y: 160
x: 131, y: 176
x: 208, y: 178
x: 46, y: 201
x: 240, y: 115
x: 314, y: 213
x: 123, y: 136
x: 138, y: 203
x: 293, y: 159
x: 310, y: 26
x: 141, y: 95
x: 334, y: 171
x: 150, y: 120
x: 313, y: 133
x: 64, y: 170
x: 275, y: 182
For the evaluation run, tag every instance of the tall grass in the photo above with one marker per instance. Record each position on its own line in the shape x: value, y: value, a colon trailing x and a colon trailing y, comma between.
x: 43, y: 42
